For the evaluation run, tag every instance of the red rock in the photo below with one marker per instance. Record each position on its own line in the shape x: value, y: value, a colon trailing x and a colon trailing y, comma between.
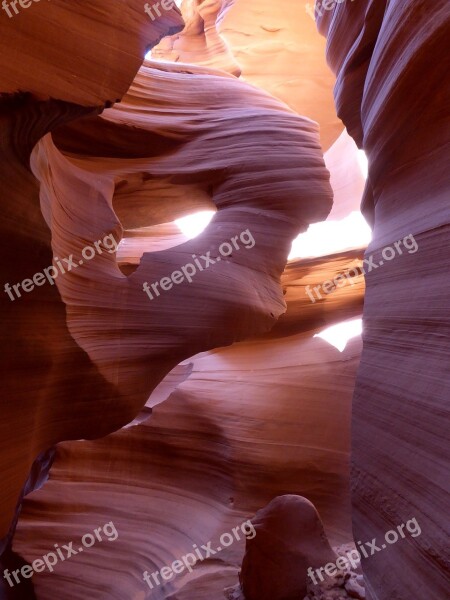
x: 392, y: 94
x: 289, y: 539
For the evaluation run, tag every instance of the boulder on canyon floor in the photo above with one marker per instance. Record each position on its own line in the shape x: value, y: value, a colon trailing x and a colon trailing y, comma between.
x: 289, y: 539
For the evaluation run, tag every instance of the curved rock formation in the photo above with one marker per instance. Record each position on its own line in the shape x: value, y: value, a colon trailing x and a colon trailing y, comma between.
x: 85, y: 54
x: 115, y: 350
x: 35, y: 338
x: 220, y: 448
x: 215, y: 393
x: 270, y: 220
x: 200, y: 42
x: 273, y: 45
x: 289, y: 539
x: 392, y: 93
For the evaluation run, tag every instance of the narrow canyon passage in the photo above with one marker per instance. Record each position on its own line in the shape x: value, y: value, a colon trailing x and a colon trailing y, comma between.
x: 225, y: 315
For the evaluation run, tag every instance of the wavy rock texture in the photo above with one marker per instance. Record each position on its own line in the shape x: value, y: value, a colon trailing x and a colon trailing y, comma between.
x: 220, y: 444
x: 44, y: 36
x: 224, y: 432
x: 273, y: 45
x: 392, y: 93
x: 201, y: 42
x: 85, y: 53
x: 106, y: 311
x: 272, y: 220
x: 221, y: 447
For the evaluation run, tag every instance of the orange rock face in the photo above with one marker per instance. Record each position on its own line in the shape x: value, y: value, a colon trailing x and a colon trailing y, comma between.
x: 158, y: 390
x: 87, y: 54
x: 97, y: 304
x: 272, y: 45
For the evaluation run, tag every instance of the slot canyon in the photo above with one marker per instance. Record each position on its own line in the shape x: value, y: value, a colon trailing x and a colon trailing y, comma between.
x: 225, y: 300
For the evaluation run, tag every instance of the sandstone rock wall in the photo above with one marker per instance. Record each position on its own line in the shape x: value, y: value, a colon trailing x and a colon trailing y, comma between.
x: 392, y: 92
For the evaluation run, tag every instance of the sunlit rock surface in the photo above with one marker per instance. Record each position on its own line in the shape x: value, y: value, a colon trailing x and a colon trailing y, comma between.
x: 273, y: 45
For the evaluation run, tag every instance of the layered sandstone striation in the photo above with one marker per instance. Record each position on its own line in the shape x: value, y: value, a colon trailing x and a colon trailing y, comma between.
x: 84, y: 53
x: 51, y: 84
x: 272, y: 45
x: 392, y: 93
x: 239, y: 431
x: 92, y: 344
x: 179, y: 415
